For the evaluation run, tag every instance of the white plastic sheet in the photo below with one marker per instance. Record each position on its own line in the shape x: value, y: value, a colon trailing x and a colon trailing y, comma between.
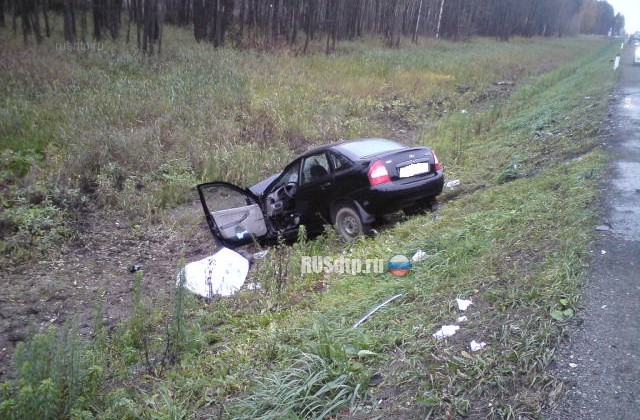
x: 222, y: 274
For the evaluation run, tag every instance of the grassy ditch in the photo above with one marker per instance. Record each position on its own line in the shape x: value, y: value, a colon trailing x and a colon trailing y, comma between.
x: 513, y: 237
x: 108, y: 129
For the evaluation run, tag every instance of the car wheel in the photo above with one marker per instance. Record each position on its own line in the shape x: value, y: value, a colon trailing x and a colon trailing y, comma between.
x: 349, y: 224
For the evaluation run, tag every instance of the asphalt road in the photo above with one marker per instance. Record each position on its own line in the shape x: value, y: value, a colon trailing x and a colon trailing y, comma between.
x: 601, y: 361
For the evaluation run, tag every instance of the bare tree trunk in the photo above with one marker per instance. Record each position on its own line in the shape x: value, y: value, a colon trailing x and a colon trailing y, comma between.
x: 69, y: 20
x: 439, y: 19
x: 310, y: 8
x: 84, y: 6
x: 130, y: 13
x: 45, y: 13
x: 415, y: 32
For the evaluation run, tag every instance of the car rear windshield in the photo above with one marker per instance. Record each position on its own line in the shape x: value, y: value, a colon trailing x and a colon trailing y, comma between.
x: 370, y: 147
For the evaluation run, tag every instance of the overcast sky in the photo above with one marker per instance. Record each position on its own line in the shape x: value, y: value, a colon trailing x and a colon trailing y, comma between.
x: 631, y: 11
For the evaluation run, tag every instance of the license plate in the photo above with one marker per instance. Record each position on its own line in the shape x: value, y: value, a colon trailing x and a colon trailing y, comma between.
x: 414, y: 169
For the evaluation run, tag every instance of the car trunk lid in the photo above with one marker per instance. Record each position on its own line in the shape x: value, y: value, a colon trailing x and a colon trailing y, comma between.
x: 409, y: 163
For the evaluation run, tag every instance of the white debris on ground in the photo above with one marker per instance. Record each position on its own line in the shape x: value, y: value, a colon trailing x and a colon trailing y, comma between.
x: 445, y: 331
x: 452, y: 183
x: 419, y: 256
x: 461, y: 319
x: 222, y: 274
x: 476, y: 346
x: 463, y: 304
x: 260, y: 254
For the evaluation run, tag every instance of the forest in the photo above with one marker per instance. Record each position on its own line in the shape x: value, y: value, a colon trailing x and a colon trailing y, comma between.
x: 269, y: 24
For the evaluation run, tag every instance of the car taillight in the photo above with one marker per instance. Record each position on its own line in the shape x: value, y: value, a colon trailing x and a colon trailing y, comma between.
x: 437, y: 162
x: 378, y: 173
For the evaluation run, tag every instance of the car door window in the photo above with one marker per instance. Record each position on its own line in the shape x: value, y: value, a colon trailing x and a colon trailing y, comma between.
x: 315, y: 169
x: 339, y: 162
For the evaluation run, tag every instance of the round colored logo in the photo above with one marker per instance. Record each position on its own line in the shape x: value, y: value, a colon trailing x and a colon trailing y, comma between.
x: 399, y: 265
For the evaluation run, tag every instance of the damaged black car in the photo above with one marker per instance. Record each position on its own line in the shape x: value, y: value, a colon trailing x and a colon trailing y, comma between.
x: 347, y: 184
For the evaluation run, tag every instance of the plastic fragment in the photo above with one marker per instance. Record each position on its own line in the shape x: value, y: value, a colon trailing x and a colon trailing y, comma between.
x: 476, y: 346
x: 383, y: 304
x: 419, y: 256
x: 445, y: 331
x: 452, y: 183
x: 463, y: 304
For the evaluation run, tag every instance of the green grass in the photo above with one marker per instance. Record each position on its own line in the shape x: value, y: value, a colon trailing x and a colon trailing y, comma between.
x: 513, y: 237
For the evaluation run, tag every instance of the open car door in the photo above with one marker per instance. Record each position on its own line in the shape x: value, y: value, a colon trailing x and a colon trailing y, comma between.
x: 233, y: 214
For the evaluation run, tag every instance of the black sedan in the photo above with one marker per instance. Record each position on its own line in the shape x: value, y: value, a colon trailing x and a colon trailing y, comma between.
x: 347, y: 184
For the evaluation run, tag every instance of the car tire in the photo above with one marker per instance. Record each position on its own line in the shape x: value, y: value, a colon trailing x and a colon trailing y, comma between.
x: 349, y: 224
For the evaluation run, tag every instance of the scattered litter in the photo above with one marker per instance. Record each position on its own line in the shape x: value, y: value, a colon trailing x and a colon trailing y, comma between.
x: 452, y: 183
x: 463, y: 304
x: 223, y: 273
x: 464, y: 111
x: 135, y: 267
x: 573, y: 365
x: 365, y: 353
x: 603, y: 252
x: 445, y: 331
x: 419, y: 256
x: 475, y: 346
x: 383, y: 304
x: 603, y: 228
x: 261, y: 254
x: 254, y: 286
x: 462, y: 319
x: 603, y: 306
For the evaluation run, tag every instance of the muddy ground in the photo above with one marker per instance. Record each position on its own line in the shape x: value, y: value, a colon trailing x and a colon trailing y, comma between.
x: 94, y: 271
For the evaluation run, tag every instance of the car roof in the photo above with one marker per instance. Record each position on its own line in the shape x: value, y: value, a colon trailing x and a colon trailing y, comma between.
x: 359, y: 148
